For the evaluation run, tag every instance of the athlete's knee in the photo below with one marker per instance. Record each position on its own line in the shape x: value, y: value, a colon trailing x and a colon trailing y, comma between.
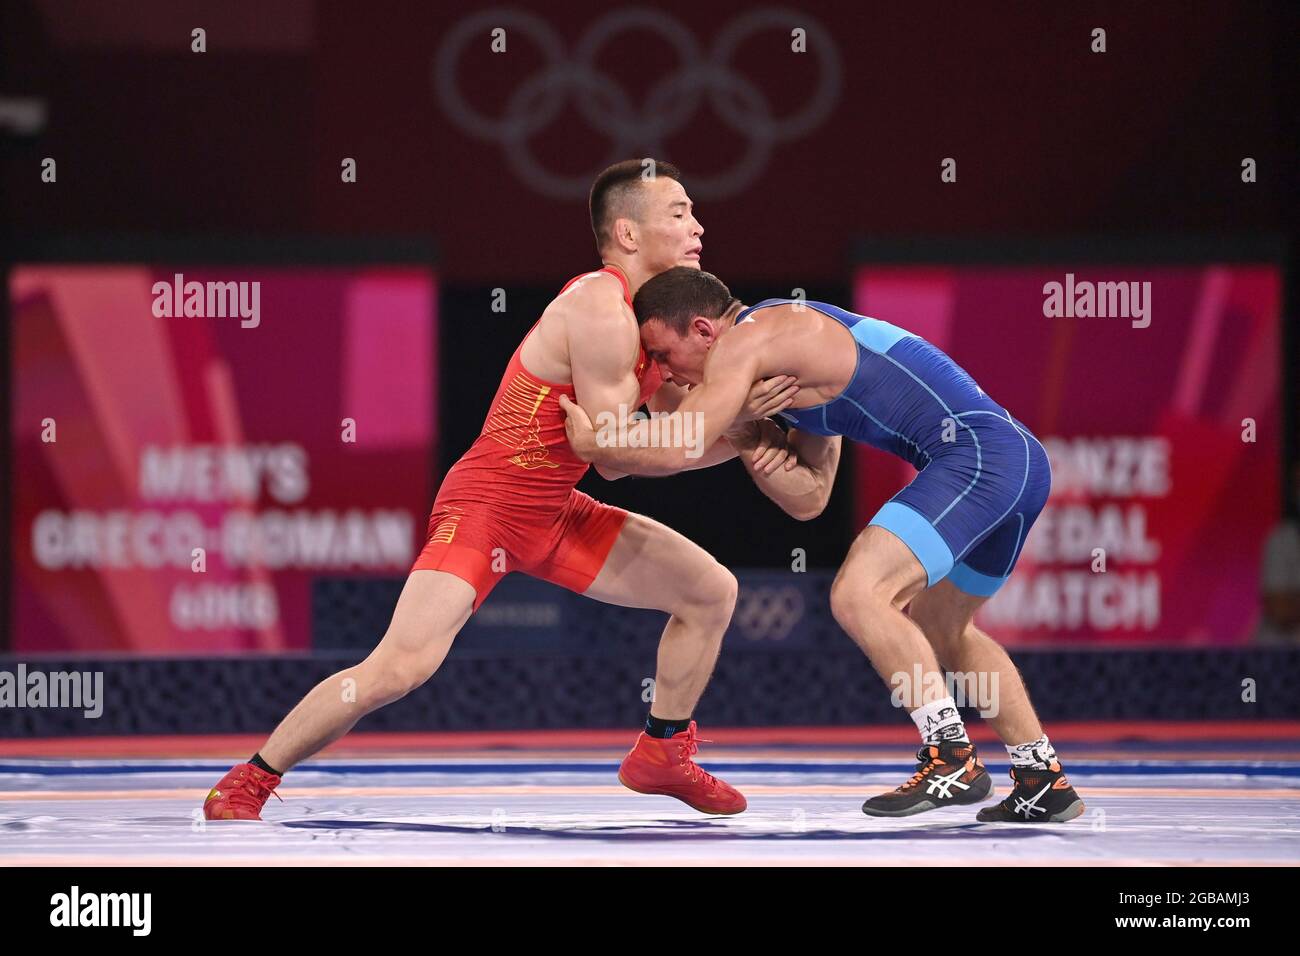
x: 710, y: 597
x: 389, y: 675
x: 393, y: 680
x: 848, y: 606
x: 858, y: 599
x: 728, y: 591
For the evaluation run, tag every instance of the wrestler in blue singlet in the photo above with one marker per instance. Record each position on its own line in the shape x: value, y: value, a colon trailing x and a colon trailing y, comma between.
x: 983, y: 476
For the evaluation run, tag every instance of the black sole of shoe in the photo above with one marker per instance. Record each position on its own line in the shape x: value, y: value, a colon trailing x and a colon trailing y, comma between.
x: 926, y: 805
x: 1061, y: 816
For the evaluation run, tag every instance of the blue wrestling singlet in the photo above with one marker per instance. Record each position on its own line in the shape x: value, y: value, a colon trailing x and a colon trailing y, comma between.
x: 983, y: 476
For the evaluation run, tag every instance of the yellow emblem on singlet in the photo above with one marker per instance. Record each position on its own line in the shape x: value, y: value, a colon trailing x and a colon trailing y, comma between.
x: 515, y: 424
x: 445, y: 531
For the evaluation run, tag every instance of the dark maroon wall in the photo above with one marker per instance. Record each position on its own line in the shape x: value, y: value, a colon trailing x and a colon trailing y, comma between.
x: 1049, y: 137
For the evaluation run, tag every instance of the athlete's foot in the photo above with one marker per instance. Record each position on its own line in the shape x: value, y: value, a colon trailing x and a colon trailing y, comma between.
x: 949, y: 774
x: 665, y: 766
x: 1039, y: 796
x: 241, y: 794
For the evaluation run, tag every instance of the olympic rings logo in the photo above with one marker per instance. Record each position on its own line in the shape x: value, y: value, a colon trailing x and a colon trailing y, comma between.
x: 608, y: 108
x: 767, y: 613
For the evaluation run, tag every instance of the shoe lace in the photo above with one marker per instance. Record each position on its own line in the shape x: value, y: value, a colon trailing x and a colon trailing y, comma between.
x: 928, y: 761
x: 687, y: 748
x: 256, y: 787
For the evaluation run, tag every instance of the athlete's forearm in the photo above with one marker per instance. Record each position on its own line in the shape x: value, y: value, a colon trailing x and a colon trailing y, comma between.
x: 802, y: 491
x: 665, y: 444
x: 721, y: 451
x: 626, y: 447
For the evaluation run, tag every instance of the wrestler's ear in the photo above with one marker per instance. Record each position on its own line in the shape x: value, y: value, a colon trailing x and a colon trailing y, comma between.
x: 702, y: 325
x: 625, y: 234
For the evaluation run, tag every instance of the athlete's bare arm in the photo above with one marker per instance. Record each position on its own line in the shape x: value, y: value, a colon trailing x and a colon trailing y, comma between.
x: 739, y: 358
x: 766, y: 447
x: 601, y: 335
x: 803, y: 490
x: 666, y: 399
x: 765, y: 450
x: 603, y: 343
x: 734, y: 364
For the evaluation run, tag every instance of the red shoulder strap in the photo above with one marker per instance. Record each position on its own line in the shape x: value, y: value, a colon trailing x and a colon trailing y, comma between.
x: 627, y: 293
x: 617, y: 274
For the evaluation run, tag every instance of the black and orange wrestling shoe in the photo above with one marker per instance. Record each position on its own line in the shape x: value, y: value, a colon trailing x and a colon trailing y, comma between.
x: 949, y: 774
x: 1039, y: 796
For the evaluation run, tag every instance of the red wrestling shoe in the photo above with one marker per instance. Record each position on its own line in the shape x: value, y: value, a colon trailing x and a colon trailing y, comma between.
x: 665, y: 766
x: 241, y: 794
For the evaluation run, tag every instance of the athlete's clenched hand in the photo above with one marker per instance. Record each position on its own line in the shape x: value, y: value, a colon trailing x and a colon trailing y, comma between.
x: 766, y: 444
x: 769, y: 396
x: 579, y: 430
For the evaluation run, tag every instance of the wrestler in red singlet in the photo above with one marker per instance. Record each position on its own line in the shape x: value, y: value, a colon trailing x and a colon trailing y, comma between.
x: 514, y: 489
x: 510, y: 504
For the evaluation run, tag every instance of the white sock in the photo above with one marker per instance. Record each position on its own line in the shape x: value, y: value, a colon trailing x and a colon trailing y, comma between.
x: 1037, y: 754
x: 939, y: 721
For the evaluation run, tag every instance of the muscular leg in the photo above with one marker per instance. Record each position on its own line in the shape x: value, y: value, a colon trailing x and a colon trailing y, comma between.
x: 945, y: 614
x: 879, y: 577
x: 1041, y: 792
x: 433, y: 607
x: 652, y: 566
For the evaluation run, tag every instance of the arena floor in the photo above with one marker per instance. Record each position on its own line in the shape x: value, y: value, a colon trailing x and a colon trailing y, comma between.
x: 441, y: 800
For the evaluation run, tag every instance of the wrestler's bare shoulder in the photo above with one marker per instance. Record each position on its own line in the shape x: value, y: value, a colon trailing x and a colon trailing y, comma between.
x: 591, y: 307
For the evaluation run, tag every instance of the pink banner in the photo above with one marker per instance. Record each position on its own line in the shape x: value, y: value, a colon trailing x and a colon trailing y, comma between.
x: 192, y: 446
x: 1156, y: 393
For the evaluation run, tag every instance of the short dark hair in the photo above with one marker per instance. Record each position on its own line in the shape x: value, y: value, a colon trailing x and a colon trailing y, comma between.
x: 677, y: 296
x: 614, y: 189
